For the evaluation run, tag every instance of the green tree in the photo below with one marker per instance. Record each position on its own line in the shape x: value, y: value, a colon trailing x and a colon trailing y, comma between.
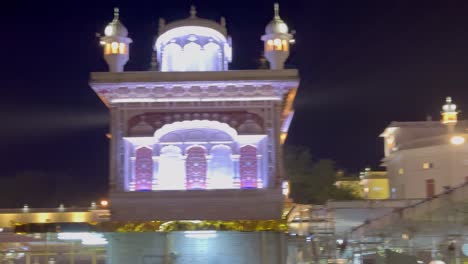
x: 312, y: 182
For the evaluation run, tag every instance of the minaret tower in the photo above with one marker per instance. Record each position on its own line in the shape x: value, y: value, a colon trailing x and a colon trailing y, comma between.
x: 277, y: 39
x: 116, y: 44
x: 449, y: 114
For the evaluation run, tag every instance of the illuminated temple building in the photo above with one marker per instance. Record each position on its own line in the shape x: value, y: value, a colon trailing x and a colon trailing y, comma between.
x: 192, y: 139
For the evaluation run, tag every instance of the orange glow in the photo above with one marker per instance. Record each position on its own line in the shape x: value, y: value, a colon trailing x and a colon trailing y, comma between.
x: 122, y: 48
x: 114, y: 47
x: 277, y: 43
x: 283, y: 137
x: 107, y: 49
x: 449, y: 117
x: 269, y: 45
x: 285, y: 45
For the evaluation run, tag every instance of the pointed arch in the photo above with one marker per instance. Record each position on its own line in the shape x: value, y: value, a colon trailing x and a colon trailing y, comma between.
x: 248, y: 166
x: 221, y: 169
x: 212, y: 57
x: 171, y: 175
x: 143, y: 168
x: 195, y: 168
x: 193, y: 57
x: 172, y: 58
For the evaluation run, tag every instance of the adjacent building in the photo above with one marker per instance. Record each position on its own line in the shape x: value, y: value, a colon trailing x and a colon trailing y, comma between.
x: 425, y: 158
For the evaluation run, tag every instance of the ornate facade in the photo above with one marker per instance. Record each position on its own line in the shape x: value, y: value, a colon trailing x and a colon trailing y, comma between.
x: 195, y: 133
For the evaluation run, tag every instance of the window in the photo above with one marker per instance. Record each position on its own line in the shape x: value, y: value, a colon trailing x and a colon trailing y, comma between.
x: 401, y: 171
x: 143, y: 169
x: 285, y: 45
x: 277, y: 43
x: 195, y: 168
x: 430, y: 188
x: 171, y: 175
x: 122, y: 48
x: 248, y: 166
x: 427, y: 165
x: 269, y: 45
x: 221, y: 171
x: 115, y: 48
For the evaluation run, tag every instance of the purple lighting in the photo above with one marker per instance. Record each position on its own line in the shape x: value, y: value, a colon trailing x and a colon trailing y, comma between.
x: 248, y: 167
x: 143, y: 169
x: 195, y: 166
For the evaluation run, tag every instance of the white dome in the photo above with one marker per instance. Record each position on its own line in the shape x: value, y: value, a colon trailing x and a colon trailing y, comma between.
x: 193, y: 44
x: 449, y: 106
x: 116, y: 28
x: 277, y: 25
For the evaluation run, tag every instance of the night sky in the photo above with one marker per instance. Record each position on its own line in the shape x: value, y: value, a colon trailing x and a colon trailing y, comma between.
x: 363, y: 64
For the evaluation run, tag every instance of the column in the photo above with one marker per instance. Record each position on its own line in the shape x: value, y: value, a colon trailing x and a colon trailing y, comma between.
x: 236, y: 180
x: 259, y: 171
x: 131, y: 175
x: 155, y: 183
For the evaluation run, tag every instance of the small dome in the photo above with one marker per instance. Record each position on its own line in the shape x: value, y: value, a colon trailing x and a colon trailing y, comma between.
x: 449, y: 106
x: 116, y: 28
x: 277, y: 25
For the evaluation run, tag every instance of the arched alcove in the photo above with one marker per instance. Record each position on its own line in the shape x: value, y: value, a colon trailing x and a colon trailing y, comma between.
x: 195, y: 168
x: 171, y: 174
x: 221, y: 169
x: 143, y: 169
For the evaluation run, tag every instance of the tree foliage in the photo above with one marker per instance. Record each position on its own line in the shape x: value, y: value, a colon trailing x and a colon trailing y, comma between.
x: 312, y: 181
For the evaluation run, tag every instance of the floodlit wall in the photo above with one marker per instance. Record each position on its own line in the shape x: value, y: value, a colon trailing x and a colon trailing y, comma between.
x: 197, y: 247
x: 9, y: 217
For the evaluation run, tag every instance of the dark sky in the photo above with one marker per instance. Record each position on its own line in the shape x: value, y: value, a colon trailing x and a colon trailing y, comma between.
x: 363, y: 64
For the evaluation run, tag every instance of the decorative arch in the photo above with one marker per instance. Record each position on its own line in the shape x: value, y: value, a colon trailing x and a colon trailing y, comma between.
x: 211, y: 54
x: 172, y: 58
x: 193, y: 57
x: 143, y: 169
x: 195, y: 124
x: 195, y: 167
x: 221, y: 169
x: 248, y: 167
x: 171, y: 175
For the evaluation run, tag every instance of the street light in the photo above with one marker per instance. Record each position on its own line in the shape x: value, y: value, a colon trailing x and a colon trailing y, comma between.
x: 104, y: 203
x: 457, y: 140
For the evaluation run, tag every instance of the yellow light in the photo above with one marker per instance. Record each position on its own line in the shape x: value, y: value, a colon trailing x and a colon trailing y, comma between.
x: 449, y: 117
x: 42, y: 217
x: 269, y: 45
x: 122, y: 48
x: 457, y: 140
x: 277, y: 43
x: 79, y: 217
x: 107, y: 48
x: 115, y: 47
x: 283, y: 137
x: 104, y: 203
x: 285, y: 45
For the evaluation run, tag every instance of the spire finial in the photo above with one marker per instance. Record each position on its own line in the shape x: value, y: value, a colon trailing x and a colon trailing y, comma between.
x: 116, y: 13
x: 448, y: 99
x: 162, y: 23
x: 276, y: 9
x: 223, y: 21
x: 154, y: 62
x: 193, y: 11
